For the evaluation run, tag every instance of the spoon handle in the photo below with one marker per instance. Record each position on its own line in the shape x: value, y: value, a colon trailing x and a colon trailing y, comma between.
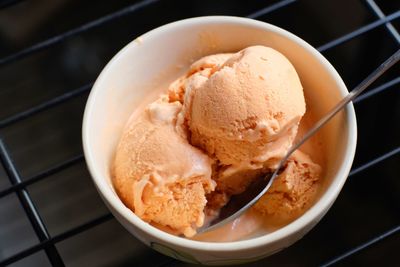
x: 342, y: 103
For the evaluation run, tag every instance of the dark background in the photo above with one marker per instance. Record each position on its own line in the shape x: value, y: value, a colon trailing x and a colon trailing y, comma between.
x: 367, y: 208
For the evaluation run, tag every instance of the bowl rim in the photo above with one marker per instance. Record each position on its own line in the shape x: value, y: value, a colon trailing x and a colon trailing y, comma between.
x: 321, y: 206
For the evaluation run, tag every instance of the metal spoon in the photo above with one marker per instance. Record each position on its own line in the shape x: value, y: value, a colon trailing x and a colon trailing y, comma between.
x: 238, y: 204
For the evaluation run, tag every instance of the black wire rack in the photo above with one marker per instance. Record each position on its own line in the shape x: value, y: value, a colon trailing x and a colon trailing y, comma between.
x: 40, y: 132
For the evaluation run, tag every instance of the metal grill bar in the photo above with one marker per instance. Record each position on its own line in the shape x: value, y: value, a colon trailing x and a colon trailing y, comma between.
x: 56, y: 239
x: 378, y: 12
x: 83, y: 227
x: 377, y: 90
x: 353, y: 34
x: 270, y: 8
x: 365, y: 245
x: 45, y: 105
x: 42, y: 175
x: 88, y: 26
x: 375, y: 161
x: 29, y: 207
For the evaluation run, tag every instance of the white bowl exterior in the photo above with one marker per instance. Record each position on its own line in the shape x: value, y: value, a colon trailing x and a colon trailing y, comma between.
x: 158, y: 57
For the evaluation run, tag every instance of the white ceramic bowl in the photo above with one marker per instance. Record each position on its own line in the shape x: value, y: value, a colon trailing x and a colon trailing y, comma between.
x: 152, y: 61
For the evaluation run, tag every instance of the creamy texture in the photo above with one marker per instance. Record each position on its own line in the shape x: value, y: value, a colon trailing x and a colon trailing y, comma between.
x: 226, y: 122
x: 250, y: 102
x: 245, y: 114
x: 293, y: 191
x: 158, y: 174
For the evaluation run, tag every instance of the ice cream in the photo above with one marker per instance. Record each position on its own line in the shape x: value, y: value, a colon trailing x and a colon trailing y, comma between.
x: 293, y: 191
x: 253, y: 101
x: 158, y: 174
x: 226, y: 122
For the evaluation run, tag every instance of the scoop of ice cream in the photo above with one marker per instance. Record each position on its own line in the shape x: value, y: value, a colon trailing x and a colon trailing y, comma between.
x: 293, y: 191
x: 158, y: 174
x: 248, y: 110
x: 243, y: 109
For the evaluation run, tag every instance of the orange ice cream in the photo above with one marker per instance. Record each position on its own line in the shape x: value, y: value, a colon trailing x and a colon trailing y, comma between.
x: 158, y: 174
x: 293, y: 191
x: 226, y: 122
x: 246, y: 114
x: 252, y: 101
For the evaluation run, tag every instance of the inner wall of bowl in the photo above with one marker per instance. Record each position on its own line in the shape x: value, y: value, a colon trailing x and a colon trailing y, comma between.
x: 148, y: 64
